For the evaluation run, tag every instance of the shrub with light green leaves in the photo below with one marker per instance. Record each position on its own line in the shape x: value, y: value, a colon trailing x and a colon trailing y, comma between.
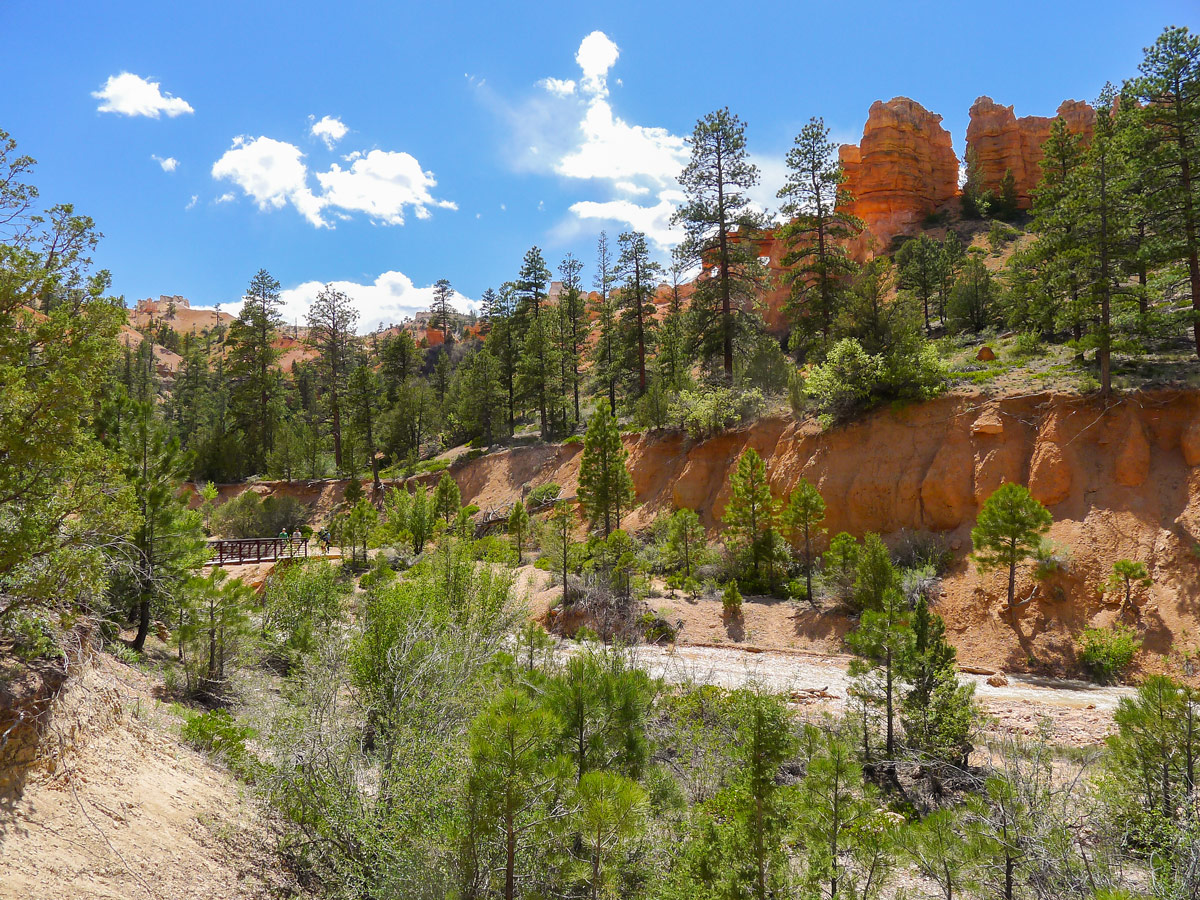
x: 1107, y: 653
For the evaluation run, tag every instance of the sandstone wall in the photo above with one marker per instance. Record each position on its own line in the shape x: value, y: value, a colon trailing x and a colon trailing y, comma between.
x: 1001, y: 142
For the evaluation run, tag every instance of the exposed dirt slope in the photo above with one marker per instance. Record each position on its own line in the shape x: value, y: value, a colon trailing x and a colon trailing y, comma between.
x: 1118, y: 477
x: 116, y: 807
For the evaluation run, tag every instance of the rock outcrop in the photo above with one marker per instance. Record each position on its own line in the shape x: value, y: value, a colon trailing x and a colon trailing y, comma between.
x: 999, y: 142
x: 904, y: 169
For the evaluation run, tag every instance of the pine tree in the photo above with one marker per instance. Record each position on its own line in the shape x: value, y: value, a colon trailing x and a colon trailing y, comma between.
x: 441, y: 309
x: 672, y: 358
x: 920, y: 263
x: 819, y: 266
x: 882, y: 640
x: 605, y: 485
x: 364, y: 391
x: 331, y: 322
x: 538, y: 370
x: 399, y: 360
x: 251, y: 367
x: 685, y: 541
x: 574, y: 311
x: 447, y: 499
x: 1008, y: 530
x: 716, y: 182
x: 802, y: 517
x: 750, y: 517
x: 937, y: 711
x: 1167, y: 150
x: 518, y: 529
x: 637, y: 302
x: 611, y: 811
x: 606, y: 355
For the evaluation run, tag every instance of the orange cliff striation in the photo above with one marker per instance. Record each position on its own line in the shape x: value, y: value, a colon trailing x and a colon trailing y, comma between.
x: 903, y: 170
x: 999, y: 142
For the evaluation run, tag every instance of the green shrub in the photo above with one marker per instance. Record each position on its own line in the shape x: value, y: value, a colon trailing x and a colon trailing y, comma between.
x: 713, y: 409
x: 542, y: 494
x: 1107, y: 653
x: 656, y: 629
x: 731, y: 598
x: 851, y: 379
x: 300, y: 602
x: 1028, y: 345
x: 216, y: 733
x: 32, y: 636
x: 249, y: 516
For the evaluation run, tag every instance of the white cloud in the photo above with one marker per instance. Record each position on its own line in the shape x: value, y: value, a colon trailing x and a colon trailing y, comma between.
x: 390, y: 299
x: 558, y: 86
x: 170, y: 164
x: 612, y: 148
x: 329, y: 129
x: 226, y: 197
x: 597, y: 54
x: 130, y: 95
x: 654, y: 221
x: 381, y: 183
x: 195, y: 199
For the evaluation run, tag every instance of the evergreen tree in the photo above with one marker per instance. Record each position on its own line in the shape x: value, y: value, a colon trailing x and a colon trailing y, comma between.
x: 518, y: 529
x: 573, y: 304
x: 447, y: 499
x: 716, y: 182
x: 605, y: 485
x: 637, y: 302
x: 441, y: 309
x: 937, y: 711
x: 363, y: 394
x: 606, y: 354
x: 750, y: 515
x: 672, y: 358
x: 972, y: 305
x: 685, y: 541
x: 874, y: 574
x: 802, y: 517
x: 1167, y: 150
x: 252, y: 356
x: 611, y: 811
x: 331, y: 322
x: 819, y: 266
x: 538, y: 371
x: 920, y: 263
x: 399, y: 360
x: 1008, y: 530
x: 882, y: 640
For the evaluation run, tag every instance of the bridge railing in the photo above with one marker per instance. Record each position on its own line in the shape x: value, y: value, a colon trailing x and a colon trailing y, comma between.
x: 251, y: 550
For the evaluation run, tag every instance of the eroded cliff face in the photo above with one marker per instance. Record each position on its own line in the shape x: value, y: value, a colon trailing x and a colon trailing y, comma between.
x: 1000, y: 142
x: 1122, y: 480
x: 903, y: 169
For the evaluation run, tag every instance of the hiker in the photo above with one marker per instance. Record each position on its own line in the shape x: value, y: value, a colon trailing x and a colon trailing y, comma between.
x: 297, y: 538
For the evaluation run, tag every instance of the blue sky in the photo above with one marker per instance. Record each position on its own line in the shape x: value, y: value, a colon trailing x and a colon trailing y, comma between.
x: 384, y: 146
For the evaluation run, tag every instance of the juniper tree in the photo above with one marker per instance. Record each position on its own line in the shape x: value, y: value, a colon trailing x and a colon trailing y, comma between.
x: 718, y: 222
x: 819, y: 265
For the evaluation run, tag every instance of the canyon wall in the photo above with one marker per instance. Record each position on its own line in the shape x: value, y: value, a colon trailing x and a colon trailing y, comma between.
x: 1000, y: 142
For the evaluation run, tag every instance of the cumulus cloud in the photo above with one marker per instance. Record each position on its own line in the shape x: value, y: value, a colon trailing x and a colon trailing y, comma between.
x: 383, y: 184
x: 388, y: 300
x: 329, y: 129
x: 596, y: 55
x: 654, y: 221
x: 170, y: 164
x: 195, y: 199
x: 131, y: 95
x: 612, y: 148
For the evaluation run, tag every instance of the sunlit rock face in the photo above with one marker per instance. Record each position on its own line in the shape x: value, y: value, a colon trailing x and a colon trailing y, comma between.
x: 1000, y: 142
x: 903, y: 169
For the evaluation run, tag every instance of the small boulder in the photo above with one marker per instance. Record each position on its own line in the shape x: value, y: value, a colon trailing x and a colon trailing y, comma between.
x: 989, y: 422
x: 985, y: 354
x: 998, y: 680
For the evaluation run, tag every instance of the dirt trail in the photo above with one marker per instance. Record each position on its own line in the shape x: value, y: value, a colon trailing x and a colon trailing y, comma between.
x: 1079, y: 714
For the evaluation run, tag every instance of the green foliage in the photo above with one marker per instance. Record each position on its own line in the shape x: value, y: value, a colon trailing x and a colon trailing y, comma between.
x: 686, y: 547
x: 447, y: 500
x: 301, y: 603
x: 851, y: 379
x: 518, y: 529
x: 32, y: 636
x: 543, y: 494
x: 840, y: 567
x: 1008, y: 530
x: 605, y: 485
x: 874, y: 575
x: 249, y: 516
x: 216, y: 733
x: 751, y: 518
x: 936, y: 710
x: 731, y: 598
x: 1107, y: 653
x: 712, y: 409
x: 883, y: 639
x: 801, y: 520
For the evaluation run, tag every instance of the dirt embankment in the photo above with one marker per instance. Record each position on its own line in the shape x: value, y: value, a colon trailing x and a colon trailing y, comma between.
x: 114, y: 806
x: 1122, y: 478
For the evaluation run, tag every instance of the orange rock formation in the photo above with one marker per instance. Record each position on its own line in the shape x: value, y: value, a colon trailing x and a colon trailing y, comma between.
x: 1001, y: 142
x: 904, y: 169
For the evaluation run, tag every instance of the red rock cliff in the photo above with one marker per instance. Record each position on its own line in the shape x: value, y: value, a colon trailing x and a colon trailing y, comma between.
x: 904, y: 169
x: 1000, y: 142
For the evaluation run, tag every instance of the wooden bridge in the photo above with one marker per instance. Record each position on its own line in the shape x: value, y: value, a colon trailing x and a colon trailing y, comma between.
x: 255, y: 550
